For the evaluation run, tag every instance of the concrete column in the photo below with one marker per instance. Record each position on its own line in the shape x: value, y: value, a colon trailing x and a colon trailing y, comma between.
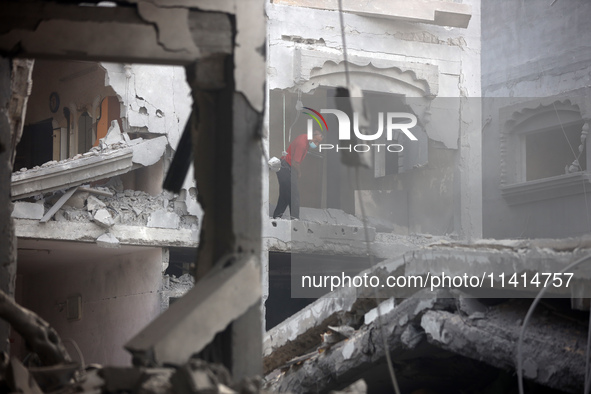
x: 228, y: 174
x: 265, y: 202
x: 7, y: 237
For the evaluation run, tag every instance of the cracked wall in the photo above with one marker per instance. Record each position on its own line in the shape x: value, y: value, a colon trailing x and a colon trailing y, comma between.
x: 154, y: 99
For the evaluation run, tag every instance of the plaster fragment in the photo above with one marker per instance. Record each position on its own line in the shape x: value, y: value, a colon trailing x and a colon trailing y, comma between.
x: 114, y: 135
x: 103, y: 218
x: 27, y: 210
x: 163, y: 219
x: 149, y: 152
x: 93, y: 203
x: 107, y: 240
x: 385, y: 307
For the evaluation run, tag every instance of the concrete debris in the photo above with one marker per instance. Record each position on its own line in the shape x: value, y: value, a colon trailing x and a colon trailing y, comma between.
x: 302, y: 332
x: 103, y: 218
x: 150, y: 151
x: 128, y: 207
x: 344, y: 331
x: 28, y: 210
x: 93, y: 204
x: 384, y: 308
x: 114, y: 135
x: 427, y: 332
x: 163, y: 219
x: 60, y: 202
x: 329, y: 216
x: 156, y: 381
x: 111, y: 158
x: 78, y: 200
x: 359, y: 387
x: 118, y: 379
x: 54, y: 377
x: 19, y: 380
x: 174, y: 288
x: 108, y: 240
x: 194, y: 377
x: 158, y: 343
x: 197, y: 377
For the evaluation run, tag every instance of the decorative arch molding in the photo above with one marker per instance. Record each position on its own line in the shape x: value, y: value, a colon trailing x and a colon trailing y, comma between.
x: 542, y: 115
x: 570, y: 107
x: 411, y: 79
x: 387, y: 80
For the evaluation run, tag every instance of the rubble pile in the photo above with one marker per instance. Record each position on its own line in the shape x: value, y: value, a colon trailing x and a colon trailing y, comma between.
x: 439, y: 342
x: 128, y: 207
x: 195, y: 377
x: 131, y: 207
x: 174, y: 288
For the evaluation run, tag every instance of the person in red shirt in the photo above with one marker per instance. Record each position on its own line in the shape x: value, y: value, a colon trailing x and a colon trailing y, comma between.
x: 288, y: 175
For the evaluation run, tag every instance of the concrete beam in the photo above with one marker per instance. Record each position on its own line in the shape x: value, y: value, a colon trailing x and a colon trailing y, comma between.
x: 434, y: 12
x: 346, y: 360
x: 421, y: 325
x: 90, y: 167
x: 89, y: 232
x: 8, y: 142
x: 71, y: 173
x: 553, y: 356
x: 299, y: 236
x: 163, y: 35
x: 302, y: 331
x: 192, y: 322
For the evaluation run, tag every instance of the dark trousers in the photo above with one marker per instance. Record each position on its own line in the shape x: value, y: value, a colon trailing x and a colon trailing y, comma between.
x: 289, y: 194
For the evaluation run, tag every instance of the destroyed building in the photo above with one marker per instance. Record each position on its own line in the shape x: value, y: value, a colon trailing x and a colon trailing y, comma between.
x: 89, y: 202
x: 526, y: 110
x: 412, y: 60
x: 89, y: 143
x: 95, y: 229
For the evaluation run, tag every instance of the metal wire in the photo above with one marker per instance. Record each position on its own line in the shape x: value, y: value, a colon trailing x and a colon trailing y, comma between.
x: 342, y: 21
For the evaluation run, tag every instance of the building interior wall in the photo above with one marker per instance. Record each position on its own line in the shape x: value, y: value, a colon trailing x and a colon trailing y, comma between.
x: 78, y: 86
x: 119, y: 296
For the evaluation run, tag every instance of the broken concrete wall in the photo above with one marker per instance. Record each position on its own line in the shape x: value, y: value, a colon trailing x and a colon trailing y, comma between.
x: 7, y: 240
x: 144, y: 99
x: 63, y: 92
x: 119, y: 295
x: 154, y: 99
x: 174, y: 288
x: 539, y: 51
x: 393, y: 56
x: 440, y: 343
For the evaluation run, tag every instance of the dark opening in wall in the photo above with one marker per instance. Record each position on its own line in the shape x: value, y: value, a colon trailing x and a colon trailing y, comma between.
x: 180, y: 261
x: 551, y: 152
x: 280, y: 304
x: 35, y: 146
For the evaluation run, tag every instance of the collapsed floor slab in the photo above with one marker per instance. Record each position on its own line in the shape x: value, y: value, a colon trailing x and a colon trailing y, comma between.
x: 418, y: 329
x: 91, y: 166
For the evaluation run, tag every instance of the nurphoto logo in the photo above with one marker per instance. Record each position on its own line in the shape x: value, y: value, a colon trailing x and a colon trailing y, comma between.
x: 391, y: 119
